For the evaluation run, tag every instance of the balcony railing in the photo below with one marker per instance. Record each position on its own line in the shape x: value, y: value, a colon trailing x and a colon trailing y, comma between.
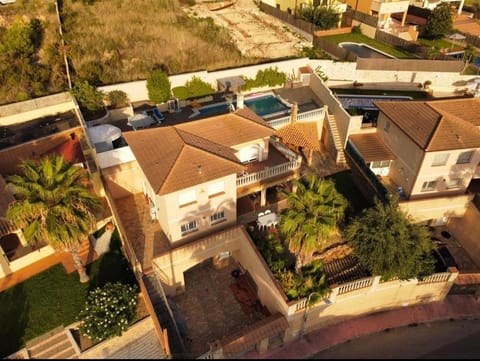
x: 357, y: 158
x: 304, y: 116
x: 268, y: 173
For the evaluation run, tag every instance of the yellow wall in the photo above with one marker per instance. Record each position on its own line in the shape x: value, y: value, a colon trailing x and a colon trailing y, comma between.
x: 409, y: 155
x: 442, y: 174
x: 171, y: 215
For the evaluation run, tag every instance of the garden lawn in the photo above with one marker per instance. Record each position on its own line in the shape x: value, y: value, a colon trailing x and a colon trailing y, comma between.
x: 360, y: 38
x: 54, y: 298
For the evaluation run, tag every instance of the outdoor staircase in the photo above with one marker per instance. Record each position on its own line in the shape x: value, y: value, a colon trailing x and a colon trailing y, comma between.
x: 164, y: 315
x: 54, y: 344
x: 332, y: 122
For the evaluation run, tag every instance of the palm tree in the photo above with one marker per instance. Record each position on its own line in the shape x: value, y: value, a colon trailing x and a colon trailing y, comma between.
x: 314, y: 212
x: 54, y: 205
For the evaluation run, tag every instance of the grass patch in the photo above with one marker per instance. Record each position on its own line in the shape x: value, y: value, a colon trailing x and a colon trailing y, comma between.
x: 437, y: 43
x: 360, y: 38
x: 54, y: 298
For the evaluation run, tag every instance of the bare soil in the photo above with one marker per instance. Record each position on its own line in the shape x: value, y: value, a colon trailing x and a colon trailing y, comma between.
x: 254, y: 33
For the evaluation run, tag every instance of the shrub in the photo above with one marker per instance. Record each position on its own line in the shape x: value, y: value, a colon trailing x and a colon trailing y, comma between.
x: 158, y: 86
x: 197, y: 88
x: 268, y: 77
x: 117, y: 99
x: 356, y: 29
x: 89, y: 98
x: 108, y: 311
x: 180, y: 92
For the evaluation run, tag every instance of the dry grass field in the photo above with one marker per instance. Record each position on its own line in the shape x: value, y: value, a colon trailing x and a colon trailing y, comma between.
x: 123, y: 40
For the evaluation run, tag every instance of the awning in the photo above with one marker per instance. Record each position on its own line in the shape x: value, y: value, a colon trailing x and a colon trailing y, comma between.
x: 104, y: 133
x: 231, y: 81
x: 371, y: 147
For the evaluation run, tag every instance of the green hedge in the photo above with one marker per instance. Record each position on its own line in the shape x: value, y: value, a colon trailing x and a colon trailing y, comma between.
x: 268, y: 77
x: 194, y: 88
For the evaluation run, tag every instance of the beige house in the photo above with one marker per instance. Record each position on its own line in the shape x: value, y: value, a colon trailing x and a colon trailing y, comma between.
x: 426, y: 151
x: 188, y: 172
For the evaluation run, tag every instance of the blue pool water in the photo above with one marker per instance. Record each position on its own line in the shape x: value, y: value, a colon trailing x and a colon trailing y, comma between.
x: 263, y: 106
x: 364, y: 51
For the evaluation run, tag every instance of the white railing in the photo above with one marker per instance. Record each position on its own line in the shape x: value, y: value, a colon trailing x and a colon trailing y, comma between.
x: 268, y: 173
x: 314, y: 114
x: 352, y: 286
x: 436, y: 277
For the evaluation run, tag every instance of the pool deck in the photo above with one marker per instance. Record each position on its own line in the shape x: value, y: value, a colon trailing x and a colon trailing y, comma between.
x: 304, y: 96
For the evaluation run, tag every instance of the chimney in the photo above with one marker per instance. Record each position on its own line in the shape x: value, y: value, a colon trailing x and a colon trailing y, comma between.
x: 199, y: 169
x: 293, y: 114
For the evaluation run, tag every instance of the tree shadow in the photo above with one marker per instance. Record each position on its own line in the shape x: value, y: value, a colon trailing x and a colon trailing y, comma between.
x: 111, y: 266
x: 13, y: 318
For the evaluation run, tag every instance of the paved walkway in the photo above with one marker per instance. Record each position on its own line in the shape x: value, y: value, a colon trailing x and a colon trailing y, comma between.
x: 457, y: 307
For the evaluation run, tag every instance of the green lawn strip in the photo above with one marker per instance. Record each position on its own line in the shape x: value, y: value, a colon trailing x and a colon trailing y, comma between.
x: 54, y: 298
x: 360, y: 38
x: 438, y: 43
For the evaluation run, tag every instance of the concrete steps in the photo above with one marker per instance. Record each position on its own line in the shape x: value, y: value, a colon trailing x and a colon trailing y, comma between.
x: 165, y: 317
x: 341, y: 160
x: 54, y: 344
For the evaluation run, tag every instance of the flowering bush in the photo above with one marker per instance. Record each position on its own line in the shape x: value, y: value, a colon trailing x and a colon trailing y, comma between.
x: 108, y: 311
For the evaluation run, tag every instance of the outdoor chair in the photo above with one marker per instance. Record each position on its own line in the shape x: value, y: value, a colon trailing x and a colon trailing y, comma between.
x: 268, y: 211
x: 158, y: 115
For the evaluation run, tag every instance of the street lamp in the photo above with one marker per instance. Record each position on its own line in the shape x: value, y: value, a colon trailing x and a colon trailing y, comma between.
x: 305, y: 313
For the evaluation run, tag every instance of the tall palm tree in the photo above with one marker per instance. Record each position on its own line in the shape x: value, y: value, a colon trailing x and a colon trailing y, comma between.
x: 314, y: 212
x: 54, y: 205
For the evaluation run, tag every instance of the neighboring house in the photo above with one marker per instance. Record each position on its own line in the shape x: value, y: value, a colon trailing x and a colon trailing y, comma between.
x: 427, y: 151
x: 431, y: 4
x: 33, y: 129
x: 381, y: 9
x: 193, y: 173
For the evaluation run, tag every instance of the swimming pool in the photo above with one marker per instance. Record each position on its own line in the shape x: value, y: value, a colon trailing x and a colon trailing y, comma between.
x: 352, y: 101
x: 264, y: 106
x: 364, y: 51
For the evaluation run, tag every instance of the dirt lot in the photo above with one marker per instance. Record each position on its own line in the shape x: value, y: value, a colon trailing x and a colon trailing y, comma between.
x: 255, y: 33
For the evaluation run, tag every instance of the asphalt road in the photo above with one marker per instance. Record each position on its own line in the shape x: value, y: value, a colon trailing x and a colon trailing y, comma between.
x: 436, y: 340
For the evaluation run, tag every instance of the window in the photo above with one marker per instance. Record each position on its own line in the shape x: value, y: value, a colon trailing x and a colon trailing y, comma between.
x: 187, y: 197
x: 216, y: 189
x: 381, y: 164
x: 465, y: 157
x: 454, y: 183
x: 440, y: 159
x: 188, y: 227
x: 217, y: 217
x: 429, y: 186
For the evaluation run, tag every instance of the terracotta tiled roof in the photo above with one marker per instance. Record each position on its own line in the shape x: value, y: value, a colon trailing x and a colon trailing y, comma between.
x: 415, y: 118
x: 173, y: 159
x: 466, y: 109
x: 371, y: 147
x: 300, y: 134
x: 230, y: 129
x: 238, y: 343
x: 437, y: 125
